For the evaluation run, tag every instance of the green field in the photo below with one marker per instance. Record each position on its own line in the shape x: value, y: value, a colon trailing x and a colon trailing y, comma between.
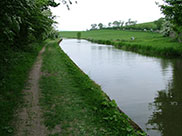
x: 148, y: 43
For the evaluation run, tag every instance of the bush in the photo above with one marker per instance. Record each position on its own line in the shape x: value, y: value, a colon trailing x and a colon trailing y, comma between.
x: 79, y: 35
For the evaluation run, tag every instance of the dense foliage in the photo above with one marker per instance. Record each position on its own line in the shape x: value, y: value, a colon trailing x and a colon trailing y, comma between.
x: 172, y: 9
x: 23, y: 21
x: 23, y: 24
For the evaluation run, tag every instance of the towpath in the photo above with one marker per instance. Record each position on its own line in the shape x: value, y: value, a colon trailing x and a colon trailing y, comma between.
x: 29, y: 119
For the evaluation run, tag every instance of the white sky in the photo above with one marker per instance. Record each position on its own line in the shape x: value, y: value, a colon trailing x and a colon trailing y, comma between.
x: 87, y: 12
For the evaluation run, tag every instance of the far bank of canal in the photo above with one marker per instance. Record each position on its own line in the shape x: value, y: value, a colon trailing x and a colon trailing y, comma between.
x: 147, y: 89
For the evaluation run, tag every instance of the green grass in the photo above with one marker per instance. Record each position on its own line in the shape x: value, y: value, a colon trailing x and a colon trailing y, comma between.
x: 74, y: 103
x: 147, y: 43
x: 15, y: 65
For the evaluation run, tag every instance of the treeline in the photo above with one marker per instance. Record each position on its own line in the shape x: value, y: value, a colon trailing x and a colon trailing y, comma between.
x: 130, y: 25
x: 22, y: 23
x: 24, y: 26
x: 113, y: 25
x: 169, y: 26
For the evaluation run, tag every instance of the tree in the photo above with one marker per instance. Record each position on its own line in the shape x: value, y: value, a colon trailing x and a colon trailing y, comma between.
x: 52, y: 34
x: 159, y: 23
x: 109, y: 24
x: 116, y: 23
x: 172, y: 9
x: 100, y: 25
x: 121, y: 23
x: 166, y: 28
x: 93, y: 26
x: 78, y: 35
x: 130, y: 22
x: 23, y: 21
x: 133, y: 22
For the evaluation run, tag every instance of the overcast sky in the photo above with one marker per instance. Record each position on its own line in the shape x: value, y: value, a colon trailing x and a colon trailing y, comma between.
x: 87, y: 12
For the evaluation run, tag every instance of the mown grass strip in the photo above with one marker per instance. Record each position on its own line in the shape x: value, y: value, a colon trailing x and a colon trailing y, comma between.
x: 73, y: 104
x: 14, y: 73
x: 148, y: 43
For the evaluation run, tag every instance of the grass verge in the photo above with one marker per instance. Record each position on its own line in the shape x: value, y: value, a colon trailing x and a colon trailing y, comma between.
x: 15, y: 66
x: 148, y: 43
x: 73, y: 104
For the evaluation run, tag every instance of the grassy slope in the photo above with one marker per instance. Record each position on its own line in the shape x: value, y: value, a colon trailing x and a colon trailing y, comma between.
x: 74, y: 103
x: 142, y: 26
x: 145, y: 42
x: 15, y: 72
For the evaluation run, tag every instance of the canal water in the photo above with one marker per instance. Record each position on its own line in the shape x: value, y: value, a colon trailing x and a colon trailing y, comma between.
x: 147, y: 89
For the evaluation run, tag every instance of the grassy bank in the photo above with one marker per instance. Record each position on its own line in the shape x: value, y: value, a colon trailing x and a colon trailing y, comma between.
x: 15, y: 65
x: 148, y: 43
x: 73, y: 104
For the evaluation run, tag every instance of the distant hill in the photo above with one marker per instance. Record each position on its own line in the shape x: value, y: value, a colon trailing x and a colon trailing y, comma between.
x: 155, y: 25
x: 143, y: 26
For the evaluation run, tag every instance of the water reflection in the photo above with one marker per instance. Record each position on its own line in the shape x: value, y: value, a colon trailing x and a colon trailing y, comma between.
x: 167, y: 106
x: 134, y: 81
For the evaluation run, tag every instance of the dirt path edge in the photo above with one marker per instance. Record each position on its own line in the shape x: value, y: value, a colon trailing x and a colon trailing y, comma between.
x: 29, y: 122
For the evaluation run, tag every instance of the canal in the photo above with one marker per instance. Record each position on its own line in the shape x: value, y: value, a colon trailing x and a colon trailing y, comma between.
x: 147, y: 89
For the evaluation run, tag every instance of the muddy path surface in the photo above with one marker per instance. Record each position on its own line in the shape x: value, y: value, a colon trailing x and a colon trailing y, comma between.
x: 30, y: 122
